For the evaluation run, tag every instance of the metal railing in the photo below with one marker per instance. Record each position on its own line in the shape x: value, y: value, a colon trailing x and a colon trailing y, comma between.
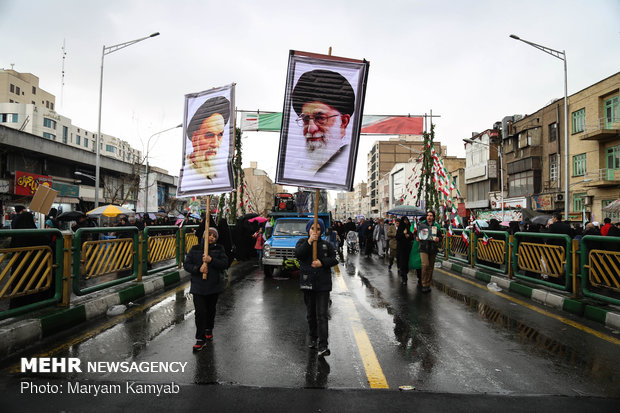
x: 160, y: 244
x: 495, y: 254
x: 600, y: 269
x: 36, y: 272
x: 601, y: 124
x: 107, y: 262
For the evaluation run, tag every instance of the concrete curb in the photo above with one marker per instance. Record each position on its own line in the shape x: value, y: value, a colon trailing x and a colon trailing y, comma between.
x: 19, y: 332
x: 602, y: 315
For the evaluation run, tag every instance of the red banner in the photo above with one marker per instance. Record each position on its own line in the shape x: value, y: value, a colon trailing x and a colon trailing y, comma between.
x: 27, y: 183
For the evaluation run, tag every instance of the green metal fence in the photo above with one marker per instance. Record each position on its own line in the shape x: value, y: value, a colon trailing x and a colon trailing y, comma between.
x: 543, y: 259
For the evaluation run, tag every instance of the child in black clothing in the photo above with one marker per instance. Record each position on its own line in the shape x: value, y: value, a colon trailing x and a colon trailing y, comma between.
x: 205, y: 291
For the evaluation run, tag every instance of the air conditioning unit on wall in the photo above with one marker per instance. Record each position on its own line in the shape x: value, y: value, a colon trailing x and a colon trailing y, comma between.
x: 558, y: 198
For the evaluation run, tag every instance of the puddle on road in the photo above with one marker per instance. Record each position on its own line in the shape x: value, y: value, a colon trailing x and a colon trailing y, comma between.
x: 411, y: 335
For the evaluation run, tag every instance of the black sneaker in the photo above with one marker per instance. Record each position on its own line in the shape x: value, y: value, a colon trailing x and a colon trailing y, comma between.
x: 199, y: 345
x: 324, y: 352
x: 312, y: 345
x: 209, y: 334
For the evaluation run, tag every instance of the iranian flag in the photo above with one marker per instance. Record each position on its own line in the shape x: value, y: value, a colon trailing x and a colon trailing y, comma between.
x: 457, y: 221
x: 450, y: 232
x: 261, y: 121
x: 465, y: 238
x: 414, y: 226
x: 485, y: 239
x: 477, y: 228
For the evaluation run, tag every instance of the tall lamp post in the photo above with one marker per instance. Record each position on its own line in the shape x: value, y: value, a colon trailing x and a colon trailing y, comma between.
x: 562, y: 56
x: 108, y: 50
x: 501, y: 167
x: 148, y: 145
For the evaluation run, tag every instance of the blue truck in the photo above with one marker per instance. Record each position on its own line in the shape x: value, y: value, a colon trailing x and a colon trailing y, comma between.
x: 288, y: 228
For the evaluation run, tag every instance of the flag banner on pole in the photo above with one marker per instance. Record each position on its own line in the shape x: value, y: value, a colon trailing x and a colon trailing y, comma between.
x: 465, y: 237
x: 477, y: 228
x: 321, y: 121
x: 260, y: 121
x: 485, y: 239
x: 208, y: 142
x: 255, y: 121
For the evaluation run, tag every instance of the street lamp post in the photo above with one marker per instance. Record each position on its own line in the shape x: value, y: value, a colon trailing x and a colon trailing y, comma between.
x: 562, y: 56
x: 146, y: 189
x: 501, y: 168
x: 105, y: 51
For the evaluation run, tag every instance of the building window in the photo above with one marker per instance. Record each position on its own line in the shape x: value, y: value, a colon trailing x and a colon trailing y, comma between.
x: 34, y: 90
x: 524, y: 183
x: 8, y: 117
x: 109, y: 148
x: 52, y: 105
x: 33, y: 102
x: 579, y: 165
x: 613, y: 157
x: 65, y: 133
x: 578, y: 201
x: 553, y: 167
x: 18, y: 90
x: 47, y: 104
x: 49, y: 123
x: 12, y: 88
x: 85, y: 143
x: 579, y: 120
x: 78, y: 139
x: 553, y: 132
x: 612, y: 113
x: 49, y: 136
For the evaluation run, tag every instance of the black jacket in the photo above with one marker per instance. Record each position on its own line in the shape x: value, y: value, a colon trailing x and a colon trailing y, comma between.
x: 192, y: 263
x: 315, y: 279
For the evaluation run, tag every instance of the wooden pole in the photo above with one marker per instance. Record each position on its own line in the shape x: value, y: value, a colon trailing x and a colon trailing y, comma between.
x: 315, y: 225
x: 206, y: 233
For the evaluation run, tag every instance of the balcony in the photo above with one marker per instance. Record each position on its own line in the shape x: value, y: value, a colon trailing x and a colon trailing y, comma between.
x: 603, y: 178
x: 601, y: 130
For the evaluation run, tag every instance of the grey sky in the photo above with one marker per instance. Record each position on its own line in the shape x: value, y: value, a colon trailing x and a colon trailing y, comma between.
x: 452, y: 57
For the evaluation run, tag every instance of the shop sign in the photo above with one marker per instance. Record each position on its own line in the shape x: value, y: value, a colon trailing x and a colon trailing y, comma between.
x: 66, y: 189
x: 27, y: 183
x: 542, y: 202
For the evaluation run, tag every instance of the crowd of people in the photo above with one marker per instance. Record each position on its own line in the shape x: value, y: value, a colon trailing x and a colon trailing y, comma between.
x: 411, y: 247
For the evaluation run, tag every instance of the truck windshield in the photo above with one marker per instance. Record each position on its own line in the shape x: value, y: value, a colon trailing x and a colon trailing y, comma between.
x: 290, y: 227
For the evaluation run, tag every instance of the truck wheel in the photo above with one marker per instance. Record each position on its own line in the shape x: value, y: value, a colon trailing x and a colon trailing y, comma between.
x: 268, y: 269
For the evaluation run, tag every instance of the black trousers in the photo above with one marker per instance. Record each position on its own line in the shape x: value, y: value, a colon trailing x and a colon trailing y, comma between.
x: 317, y: 303
x: 204, y: 306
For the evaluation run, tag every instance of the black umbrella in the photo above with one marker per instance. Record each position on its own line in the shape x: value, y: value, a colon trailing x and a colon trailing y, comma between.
x: 70, y: 216
x: 541, y: 219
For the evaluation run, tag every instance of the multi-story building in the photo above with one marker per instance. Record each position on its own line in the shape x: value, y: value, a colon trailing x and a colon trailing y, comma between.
x: 594, y: 148
x: 28, y: 108
x: 403, y: 181
x: 38, y: 141
x: 482, y: 169
x: 534, y: 153
x: 384, y: 155
x: 340, y: 206
x: 259, y: 190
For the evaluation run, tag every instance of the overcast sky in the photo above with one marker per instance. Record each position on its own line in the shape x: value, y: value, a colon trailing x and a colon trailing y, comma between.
x: 452, y: 57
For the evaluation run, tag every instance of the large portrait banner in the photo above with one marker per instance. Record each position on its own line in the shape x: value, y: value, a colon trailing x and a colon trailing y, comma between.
x: 321, y: 121
x: 208, y: 142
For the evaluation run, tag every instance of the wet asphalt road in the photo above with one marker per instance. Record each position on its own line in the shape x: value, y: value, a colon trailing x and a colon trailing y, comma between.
x: 459, y: 339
